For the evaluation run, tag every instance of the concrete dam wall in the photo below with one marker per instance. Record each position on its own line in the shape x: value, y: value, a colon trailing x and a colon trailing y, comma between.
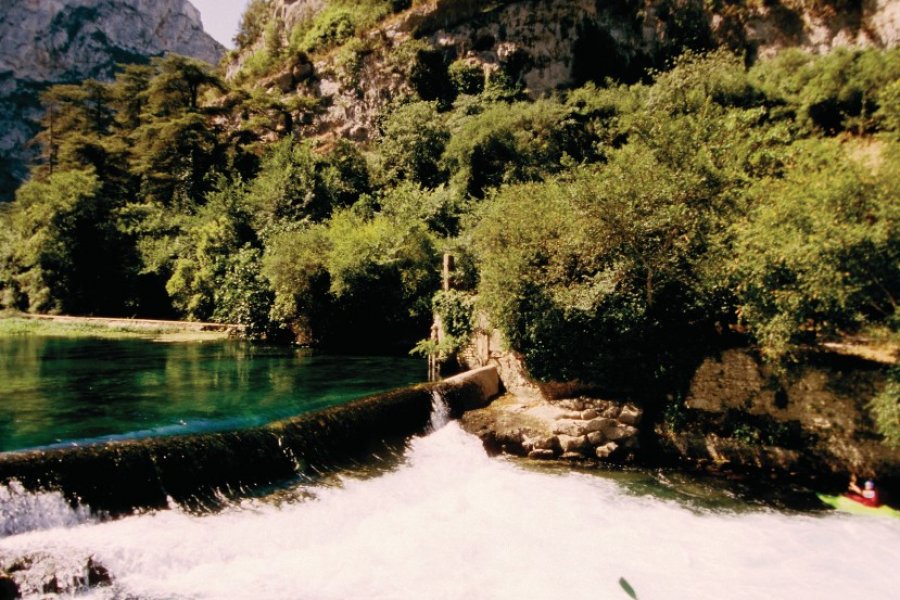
x: 196, y: 471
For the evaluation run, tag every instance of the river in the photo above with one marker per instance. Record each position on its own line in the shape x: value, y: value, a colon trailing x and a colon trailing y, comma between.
x: 449, y: 522
x: 440, y: 519
x: 62, y: 391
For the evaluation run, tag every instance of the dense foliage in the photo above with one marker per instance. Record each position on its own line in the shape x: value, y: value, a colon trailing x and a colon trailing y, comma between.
x: 612, y: 232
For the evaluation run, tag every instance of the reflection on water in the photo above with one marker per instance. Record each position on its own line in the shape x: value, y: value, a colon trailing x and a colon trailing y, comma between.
x: 61, y: 390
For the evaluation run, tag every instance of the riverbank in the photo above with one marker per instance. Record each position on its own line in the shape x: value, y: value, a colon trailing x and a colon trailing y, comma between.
x: 737, y: 416
x: 13, y: 324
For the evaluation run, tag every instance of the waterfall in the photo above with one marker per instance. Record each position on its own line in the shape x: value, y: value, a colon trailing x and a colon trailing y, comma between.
x: 440, y: 410
x: 22, y: 511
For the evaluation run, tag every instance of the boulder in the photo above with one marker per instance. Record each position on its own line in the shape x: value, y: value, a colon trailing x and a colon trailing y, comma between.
x: 570, y: 427
x: 590, y: 413
x: 631, y: 414
x: 611, y: 412
x: 621, y: 432
x: 572, y: 456
x: 540, y: 442
x: 602, y: 425
x: 570, y: 443
x: 596, y: 438
x: 542, y: 454
x: 605, y: 450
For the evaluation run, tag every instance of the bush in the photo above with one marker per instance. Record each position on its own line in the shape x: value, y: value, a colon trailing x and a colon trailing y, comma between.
x: 886, y: 409
x: 70, y: 257
x: 513, y: 143
x: 838, y: 91
x: 412, y: 142
x: 817, y: 254
x: 467, y: 78
x: 359, y: 280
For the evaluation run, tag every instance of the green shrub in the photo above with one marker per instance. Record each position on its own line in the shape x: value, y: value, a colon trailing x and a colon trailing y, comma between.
x: 412, y: 142
x: 513, y: 143
x: 467, y: 78
x: 818, y: 252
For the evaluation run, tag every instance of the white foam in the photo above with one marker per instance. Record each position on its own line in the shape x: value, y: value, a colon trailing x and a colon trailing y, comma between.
x: 21, y: 511
x: 440, y: 410
x: 452, y: 523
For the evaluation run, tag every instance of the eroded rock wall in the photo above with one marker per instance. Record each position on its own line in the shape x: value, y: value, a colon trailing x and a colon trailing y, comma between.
x: 812, y: 420
x: 551, y: 44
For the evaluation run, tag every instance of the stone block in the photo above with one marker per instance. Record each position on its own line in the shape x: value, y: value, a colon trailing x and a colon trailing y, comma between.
x: 605, y: 450
x: 570, y: 443
x: 631, y: 414
x: 570, y: 427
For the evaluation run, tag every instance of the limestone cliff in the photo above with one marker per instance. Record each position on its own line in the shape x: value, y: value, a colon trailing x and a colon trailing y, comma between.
x: 550, y: 44
x: 43, y: 42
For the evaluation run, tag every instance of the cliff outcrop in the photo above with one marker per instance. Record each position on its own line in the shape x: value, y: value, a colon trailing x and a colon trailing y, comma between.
x: 44, y: 42
x: 547, y: 44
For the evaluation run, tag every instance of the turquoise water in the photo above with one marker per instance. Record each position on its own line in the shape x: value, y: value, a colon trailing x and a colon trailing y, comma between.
x: 59, y: 391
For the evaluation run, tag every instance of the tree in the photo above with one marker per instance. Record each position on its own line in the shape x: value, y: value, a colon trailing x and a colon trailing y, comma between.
x: 72, y: 258
x: 818, y: 253
x: 177, y: 86
x: 412, y: 142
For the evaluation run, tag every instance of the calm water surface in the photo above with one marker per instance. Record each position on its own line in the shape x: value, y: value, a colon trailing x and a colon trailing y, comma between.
x: 63, y: 390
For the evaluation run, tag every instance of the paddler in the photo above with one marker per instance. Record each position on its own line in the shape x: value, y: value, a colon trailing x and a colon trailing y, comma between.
x: 867, y: 495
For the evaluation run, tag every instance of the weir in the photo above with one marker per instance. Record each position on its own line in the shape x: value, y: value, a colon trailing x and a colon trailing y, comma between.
x: 122, y: 476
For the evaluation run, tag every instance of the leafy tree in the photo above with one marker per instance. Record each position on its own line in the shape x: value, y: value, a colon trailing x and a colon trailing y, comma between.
x: 295, y: 183
x: 354, y: 281
x: 818, y: 253
x: 412, y: 142
x: 178, y: 85
x: 71, y: 256
x: 512, y: 143
x: 253, y: 23
x: 174, y: 157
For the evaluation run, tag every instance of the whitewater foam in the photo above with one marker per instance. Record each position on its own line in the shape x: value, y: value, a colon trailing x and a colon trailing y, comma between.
x: 452, y: 523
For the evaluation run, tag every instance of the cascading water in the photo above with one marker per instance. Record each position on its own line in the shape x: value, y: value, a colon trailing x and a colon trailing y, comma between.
x: 21, y: 511
x: 440, y: 410
x: 450, y: 523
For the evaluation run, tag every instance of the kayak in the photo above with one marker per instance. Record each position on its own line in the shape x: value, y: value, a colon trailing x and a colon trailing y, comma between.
x: 845, y: 504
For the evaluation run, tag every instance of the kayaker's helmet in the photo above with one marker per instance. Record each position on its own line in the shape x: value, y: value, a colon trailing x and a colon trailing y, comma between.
x: 870, y: 485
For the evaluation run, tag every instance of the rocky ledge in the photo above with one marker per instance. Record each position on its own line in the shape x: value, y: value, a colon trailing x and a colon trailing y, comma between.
x: 574, y: 429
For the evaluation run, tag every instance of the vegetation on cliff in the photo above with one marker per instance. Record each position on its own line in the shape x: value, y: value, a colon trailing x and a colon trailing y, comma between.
x: 608, y: 230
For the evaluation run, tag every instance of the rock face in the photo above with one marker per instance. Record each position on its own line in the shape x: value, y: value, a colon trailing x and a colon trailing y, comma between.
x: 43, y: 42
x: 551, y: 44
x: 813, y: 421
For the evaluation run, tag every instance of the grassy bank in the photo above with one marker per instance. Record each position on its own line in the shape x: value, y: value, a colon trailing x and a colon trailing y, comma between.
x: 16, y: 324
